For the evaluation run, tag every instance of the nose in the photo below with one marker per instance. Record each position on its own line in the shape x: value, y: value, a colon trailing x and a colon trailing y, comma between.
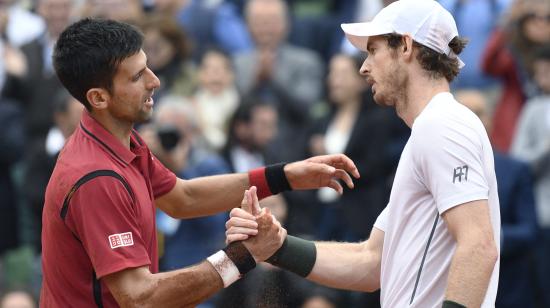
x: 154, y: 82
x: 364, y: 70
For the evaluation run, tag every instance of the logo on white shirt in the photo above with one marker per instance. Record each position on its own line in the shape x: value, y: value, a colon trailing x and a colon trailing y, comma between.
x: 460, y: 173
x: 121, y: 240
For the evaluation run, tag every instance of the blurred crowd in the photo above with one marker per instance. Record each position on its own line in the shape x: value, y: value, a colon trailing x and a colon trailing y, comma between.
x: 249, y: 83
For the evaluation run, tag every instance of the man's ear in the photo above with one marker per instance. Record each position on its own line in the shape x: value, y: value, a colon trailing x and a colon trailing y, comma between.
x: 407, y: 47
x: 98, y: 98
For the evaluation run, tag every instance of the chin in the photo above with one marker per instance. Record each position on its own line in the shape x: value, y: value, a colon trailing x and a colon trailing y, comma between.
x: 144, y: 117
x: 380, y: 100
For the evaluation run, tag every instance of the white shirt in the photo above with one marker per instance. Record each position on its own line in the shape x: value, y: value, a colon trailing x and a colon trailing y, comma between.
x: 447, y: 161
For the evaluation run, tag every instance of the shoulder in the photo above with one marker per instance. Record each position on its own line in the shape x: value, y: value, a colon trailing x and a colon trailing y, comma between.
x: 445, y: 113
x: 448, y: 124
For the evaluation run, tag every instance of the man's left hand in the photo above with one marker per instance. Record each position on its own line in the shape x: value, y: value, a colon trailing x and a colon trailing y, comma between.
x: 321, y: 171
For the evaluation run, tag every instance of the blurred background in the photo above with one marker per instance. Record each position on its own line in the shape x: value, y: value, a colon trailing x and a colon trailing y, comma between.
x: 248, y: 83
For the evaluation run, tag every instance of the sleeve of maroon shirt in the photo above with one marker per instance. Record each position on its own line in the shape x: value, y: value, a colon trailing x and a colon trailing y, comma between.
x: 102, y: 215
x: 162, y: 179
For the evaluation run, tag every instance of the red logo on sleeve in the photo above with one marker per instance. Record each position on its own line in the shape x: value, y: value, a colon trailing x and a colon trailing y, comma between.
x: 121, y: 240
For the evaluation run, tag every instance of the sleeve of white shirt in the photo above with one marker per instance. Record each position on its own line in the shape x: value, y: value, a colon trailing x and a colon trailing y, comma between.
x: 448, y: 158
x: 382, y: 220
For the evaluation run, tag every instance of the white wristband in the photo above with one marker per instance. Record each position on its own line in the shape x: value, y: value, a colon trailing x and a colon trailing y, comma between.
x: 225, y: 267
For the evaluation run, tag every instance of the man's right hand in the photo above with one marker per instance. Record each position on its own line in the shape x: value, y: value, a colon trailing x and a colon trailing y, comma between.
x: 262, y: 233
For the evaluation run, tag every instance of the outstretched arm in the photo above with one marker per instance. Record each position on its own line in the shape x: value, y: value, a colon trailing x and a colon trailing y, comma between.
x: 350, y: 266
x: 210, y: 195
x: 138, y: 287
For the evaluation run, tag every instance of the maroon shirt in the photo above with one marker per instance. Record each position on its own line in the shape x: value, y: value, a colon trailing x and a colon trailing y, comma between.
x: 99, y: 215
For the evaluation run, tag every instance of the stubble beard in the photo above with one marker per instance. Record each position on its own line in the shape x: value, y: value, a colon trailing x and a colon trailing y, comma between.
x: 396, y: 83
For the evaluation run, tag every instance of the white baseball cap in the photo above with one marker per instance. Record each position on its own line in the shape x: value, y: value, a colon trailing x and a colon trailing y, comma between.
x: 426, y: 21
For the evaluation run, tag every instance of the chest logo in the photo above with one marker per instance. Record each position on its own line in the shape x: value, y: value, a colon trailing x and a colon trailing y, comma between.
x: 121, y: 240
x: 460, y: 173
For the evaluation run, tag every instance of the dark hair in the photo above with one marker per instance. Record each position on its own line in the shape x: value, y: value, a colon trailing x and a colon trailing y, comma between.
x: 88, y: 52
x: 437, y: 64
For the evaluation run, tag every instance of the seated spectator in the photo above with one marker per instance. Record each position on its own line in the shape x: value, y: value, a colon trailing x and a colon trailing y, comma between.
x: 278, y: 72
x: 509, y: 57
x: 18, y: 25
x: 66, y: 113
x: 531, y: 144
x: 252, y: 130
x: 216, y: 97
x: 518, y: 217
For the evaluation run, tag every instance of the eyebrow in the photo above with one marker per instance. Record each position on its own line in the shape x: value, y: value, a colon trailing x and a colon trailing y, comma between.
x: 140, y: 71
x: 369, y: 45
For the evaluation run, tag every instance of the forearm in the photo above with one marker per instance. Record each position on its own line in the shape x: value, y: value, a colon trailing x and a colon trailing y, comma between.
x: 213, y: 194
x: 137, y: 287
x: 470, y: 273
x: 181, y: 288
x: 347, y: 266
x: 219, y: 193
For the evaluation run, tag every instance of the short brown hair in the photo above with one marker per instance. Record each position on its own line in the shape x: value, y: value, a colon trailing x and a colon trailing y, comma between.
x: 436, y: 64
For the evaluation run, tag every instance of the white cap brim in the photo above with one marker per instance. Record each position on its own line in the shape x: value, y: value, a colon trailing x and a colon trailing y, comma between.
x: 358, y: 33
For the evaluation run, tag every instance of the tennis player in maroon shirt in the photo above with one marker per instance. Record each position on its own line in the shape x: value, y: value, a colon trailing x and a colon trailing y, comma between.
x: 99, y: 240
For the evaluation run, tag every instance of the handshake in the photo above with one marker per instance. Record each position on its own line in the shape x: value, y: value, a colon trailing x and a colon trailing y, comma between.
x: 260, y: 232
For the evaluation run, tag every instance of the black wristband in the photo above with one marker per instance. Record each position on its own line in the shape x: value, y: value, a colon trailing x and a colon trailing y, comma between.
x: 242, y: 258
x: 296, y: 255
x: 451, y: 304
x: 276, y: 178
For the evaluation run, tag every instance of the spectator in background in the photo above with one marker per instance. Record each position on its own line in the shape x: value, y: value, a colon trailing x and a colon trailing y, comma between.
x: 39, y: 82
x: 66, y: 113
x: 168, y: 56
x: 36, y: 90
x: 18, y: 25
x: 252, y: 129
x: 276, y: 71
x: 532, y: 144
x: 209, y: 23
x: 216, y: 98
x: 518, y: 218
x: 475, y: 20
x: 509, y: 56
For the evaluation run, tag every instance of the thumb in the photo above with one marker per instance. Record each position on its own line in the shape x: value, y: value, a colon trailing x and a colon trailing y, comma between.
x: 245, y: 204
x: 255, y: 203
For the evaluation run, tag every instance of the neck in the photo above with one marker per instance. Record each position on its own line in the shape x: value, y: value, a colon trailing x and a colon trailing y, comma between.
x: 418, y: 94
x: 120, y: 129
